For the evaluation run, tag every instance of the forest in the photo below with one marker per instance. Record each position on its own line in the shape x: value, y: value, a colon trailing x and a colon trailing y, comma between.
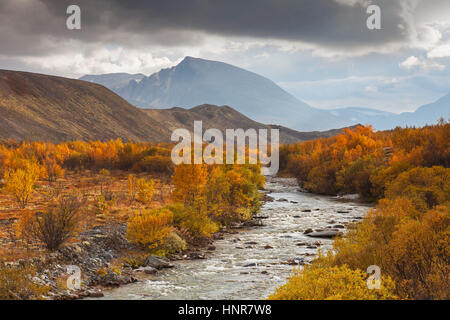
x: 51, y: 193
x: 406, y: 172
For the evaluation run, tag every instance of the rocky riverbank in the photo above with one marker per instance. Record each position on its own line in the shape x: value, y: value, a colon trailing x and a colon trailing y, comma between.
x: 107, y: 260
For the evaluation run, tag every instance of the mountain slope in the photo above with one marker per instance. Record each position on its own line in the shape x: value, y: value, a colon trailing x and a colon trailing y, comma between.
x: 225, y: 117
x: 362, y: 115
x: 113, y: 81
x: 42, y: 107
x: 197, y: 81
x: 427, y: 114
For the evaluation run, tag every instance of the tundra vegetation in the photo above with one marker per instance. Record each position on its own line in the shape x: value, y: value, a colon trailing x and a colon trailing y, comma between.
x: 51, y: 193
x: 406, y: 171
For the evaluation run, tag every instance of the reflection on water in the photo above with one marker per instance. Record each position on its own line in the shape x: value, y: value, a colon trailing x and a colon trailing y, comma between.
x: 253, y: 262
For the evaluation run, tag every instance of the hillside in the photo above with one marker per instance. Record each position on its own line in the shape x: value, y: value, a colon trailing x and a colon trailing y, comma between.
x: 42, y: 107
x: 225, y: 117
x: 48, y: 108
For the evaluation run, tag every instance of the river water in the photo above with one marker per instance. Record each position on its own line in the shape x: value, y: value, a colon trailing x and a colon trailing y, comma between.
x: 243, y: 266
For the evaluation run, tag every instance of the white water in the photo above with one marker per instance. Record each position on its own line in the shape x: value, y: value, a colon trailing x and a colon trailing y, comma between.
x: 224, y: 274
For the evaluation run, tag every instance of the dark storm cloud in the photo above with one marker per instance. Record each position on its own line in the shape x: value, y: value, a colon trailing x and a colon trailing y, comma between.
x: 31, y: 24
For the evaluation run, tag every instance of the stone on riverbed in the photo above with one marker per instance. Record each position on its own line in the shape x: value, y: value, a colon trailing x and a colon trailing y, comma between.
x: 146, y: 270
x: 324, y: 234
x: 157, y: 262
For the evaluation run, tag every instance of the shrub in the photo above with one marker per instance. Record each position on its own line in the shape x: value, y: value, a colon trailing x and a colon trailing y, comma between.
x: 16, y: 284
x: 148, y: 229
x: 20, y: 182
x: 426, y: 187
x: 332, y: 283
x: 57, y: 224
x: 195, y: 221
x: 145, y: 190
x: 412, y: 247
x: 173, y: 243
x: 156, y: 164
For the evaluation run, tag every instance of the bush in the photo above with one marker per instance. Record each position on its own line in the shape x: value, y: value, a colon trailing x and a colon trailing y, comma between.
x: 195, y: 221
x: 412, y: 247
x: 20, y: 182
x: 57, y: 224
x: 16, y: 284
x: 332, y: 283
x: 173, y: 243
x: 426, y: 187
x: 145, y: 190
x: 155, y: 164
x: 148, y: 229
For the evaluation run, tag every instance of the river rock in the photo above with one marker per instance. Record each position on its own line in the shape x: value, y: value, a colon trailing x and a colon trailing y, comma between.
x: 157, y: 262
x: 307, y: 231
x: 250, y: 265
x: 306, y: 210
x: 282, y: 200
x: 268, y: 247
x: 196, y: 255
x: 329, y: 234
x: 146, y: 270
x: 339, y: 226
x: 95, y: 293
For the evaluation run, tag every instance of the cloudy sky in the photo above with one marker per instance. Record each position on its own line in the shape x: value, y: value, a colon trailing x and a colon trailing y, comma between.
x: 319, y: 50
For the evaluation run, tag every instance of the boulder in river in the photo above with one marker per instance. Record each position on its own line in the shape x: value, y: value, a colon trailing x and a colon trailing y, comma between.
x: 329, y: 234
x: 157, y: 262
x: 306, y: 210
x: 307, y: 231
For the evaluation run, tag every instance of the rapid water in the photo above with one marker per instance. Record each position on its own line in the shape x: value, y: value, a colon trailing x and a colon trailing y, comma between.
x: 243, y: 266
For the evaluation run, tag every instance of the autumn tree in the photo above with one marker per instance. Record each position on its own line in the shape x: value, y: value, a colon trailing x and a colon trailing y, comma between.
x: 148, y: 229
x: 20, y: 182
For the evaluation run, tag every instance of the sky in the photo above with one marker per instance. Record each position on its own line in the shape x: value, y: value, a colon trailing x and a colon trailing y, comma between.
x: 321, y: 51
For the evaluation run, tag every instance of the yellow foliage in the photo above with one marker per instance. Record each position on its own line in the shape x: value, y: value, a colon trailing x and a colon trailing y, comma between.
x: 20, y: 182
x: 332, y: 283
x: 148, y: 229
x: 16, y: 284
x: 145, y: 189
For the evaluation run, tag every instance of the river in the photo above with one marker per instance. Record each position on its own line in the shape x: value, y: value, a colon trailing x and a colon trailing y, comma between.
x: 251, y: 263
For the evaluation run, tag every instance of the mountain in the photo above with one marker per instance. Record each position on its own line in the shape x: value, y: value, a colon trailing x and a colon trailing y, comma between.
x: 225, y: 117
x: 381, y: 120
x: 427, y: 114
x: 362, y: 115
x: 41, y: 107
x: 197, y: 81
x: 113, y: 81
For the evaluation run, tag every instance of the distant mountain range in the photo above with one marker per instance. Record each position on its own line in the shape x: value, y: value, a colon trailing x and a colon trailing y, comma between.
x: 39, y: 107
x: 197, y: 81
